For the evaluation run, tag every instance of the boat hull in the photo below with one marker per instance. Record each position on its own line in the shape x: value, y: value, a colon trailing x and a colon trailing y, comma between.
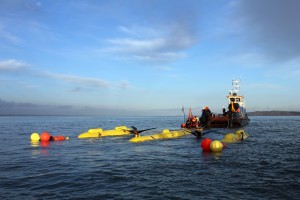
x: 228, y: 122
x: 235, y: 120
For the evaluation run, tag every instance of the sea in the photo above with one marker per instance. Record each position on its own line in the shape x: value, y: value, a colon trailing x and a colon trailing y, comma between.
x: 265, y: 166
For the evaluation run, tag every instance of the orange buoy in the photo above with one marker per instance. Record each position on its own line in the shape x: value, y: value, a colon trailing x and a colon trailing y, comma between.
x: 58, y: 138
x: 45, y: 136
x: 205, y: 144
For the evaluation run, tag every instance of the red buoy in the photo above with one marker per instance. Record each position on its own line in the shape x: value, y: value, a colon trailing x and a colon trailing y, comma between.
x: 45, y: 136
x: 205, y: 144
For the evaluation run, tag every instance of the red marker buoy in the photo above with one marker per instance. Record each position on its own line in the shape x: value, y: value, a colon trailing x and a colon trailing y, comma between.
x: 205, y: 144
x: 45, y: 136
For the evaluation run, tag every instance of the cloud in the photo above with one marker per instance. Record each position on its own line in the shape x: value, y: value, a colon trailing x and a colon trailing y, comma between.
x: 16, y: 66
x: 140, y: 31
x: 147, y: 45
x: 288, y: 69
x: 14, y: 108
x: 165, y: 68
x: 13, y: 66
x: 271, y: 26
x: 247, y: 60
x: 160, y: 58
x: 82, y: 81
x: 23, y: 20
x: 9, y: 37
x: 124, y: 84
x: 268, y: 86
x: 19, y: 5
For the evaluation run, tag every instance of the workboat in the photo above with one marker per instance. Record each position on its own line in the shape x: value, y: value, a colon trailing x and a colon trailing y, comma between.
x: 236, y: 115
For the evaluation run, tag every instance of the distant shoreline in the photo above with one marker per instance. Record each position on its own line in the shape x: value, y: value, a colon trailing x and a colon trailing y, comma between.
x: 274, y: 113
x: 255, y: 113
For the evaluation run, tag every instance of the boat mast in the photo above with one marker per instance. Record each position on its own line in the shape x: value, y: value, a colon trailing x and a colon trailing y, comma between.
x: 235, y: 87
x: 236, y: 84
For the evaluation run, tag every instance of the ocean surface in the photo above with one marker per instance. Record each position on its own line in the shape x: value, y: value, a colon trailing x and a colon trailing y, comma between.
x: 265, y: 166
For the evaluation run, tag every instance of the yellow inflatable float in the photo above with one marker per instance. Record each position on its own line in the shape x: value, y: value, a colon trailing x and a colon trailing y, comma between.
x: 234, y: 137
x: 118, y: 131
x: 98, y: 132
x: 165, y: 134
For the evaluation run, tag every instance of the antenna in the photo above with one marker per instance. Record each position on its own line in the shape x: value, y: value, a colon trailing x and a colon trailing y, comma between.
x: 235, y: 86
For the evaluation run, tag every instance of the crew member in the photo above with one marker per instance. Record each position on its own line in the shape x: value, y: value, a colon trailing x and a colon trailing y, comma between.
x: 206, y: 114
x: 224, y: 111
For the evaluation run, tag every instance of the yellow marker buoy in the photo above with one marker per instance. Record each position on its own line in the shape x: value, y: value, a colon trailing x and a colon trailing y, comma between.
x: 35, y: 137
x: 216, y: 146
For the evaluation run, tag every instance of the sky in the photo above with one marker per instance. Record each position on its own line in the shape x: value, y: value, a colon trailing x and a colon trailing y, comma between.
x: 147, y: 57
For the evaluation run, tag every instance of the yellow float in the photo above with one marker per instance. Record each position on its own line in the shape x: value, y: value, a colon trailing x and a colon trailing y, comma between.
x: 165, y: 134
x: 235, y: 137
x: 98, y: 132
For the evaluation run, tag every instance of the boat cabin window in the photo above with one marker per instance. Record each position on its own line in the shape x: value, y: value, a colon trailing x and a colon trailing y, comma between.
x: 232, y: 99
x: 237, y: 99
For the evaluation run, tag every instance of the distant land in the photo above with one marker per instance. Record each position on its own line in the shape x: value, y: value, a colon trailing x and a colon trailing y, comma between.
x: 255, y: 113
x: 274, y: 113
